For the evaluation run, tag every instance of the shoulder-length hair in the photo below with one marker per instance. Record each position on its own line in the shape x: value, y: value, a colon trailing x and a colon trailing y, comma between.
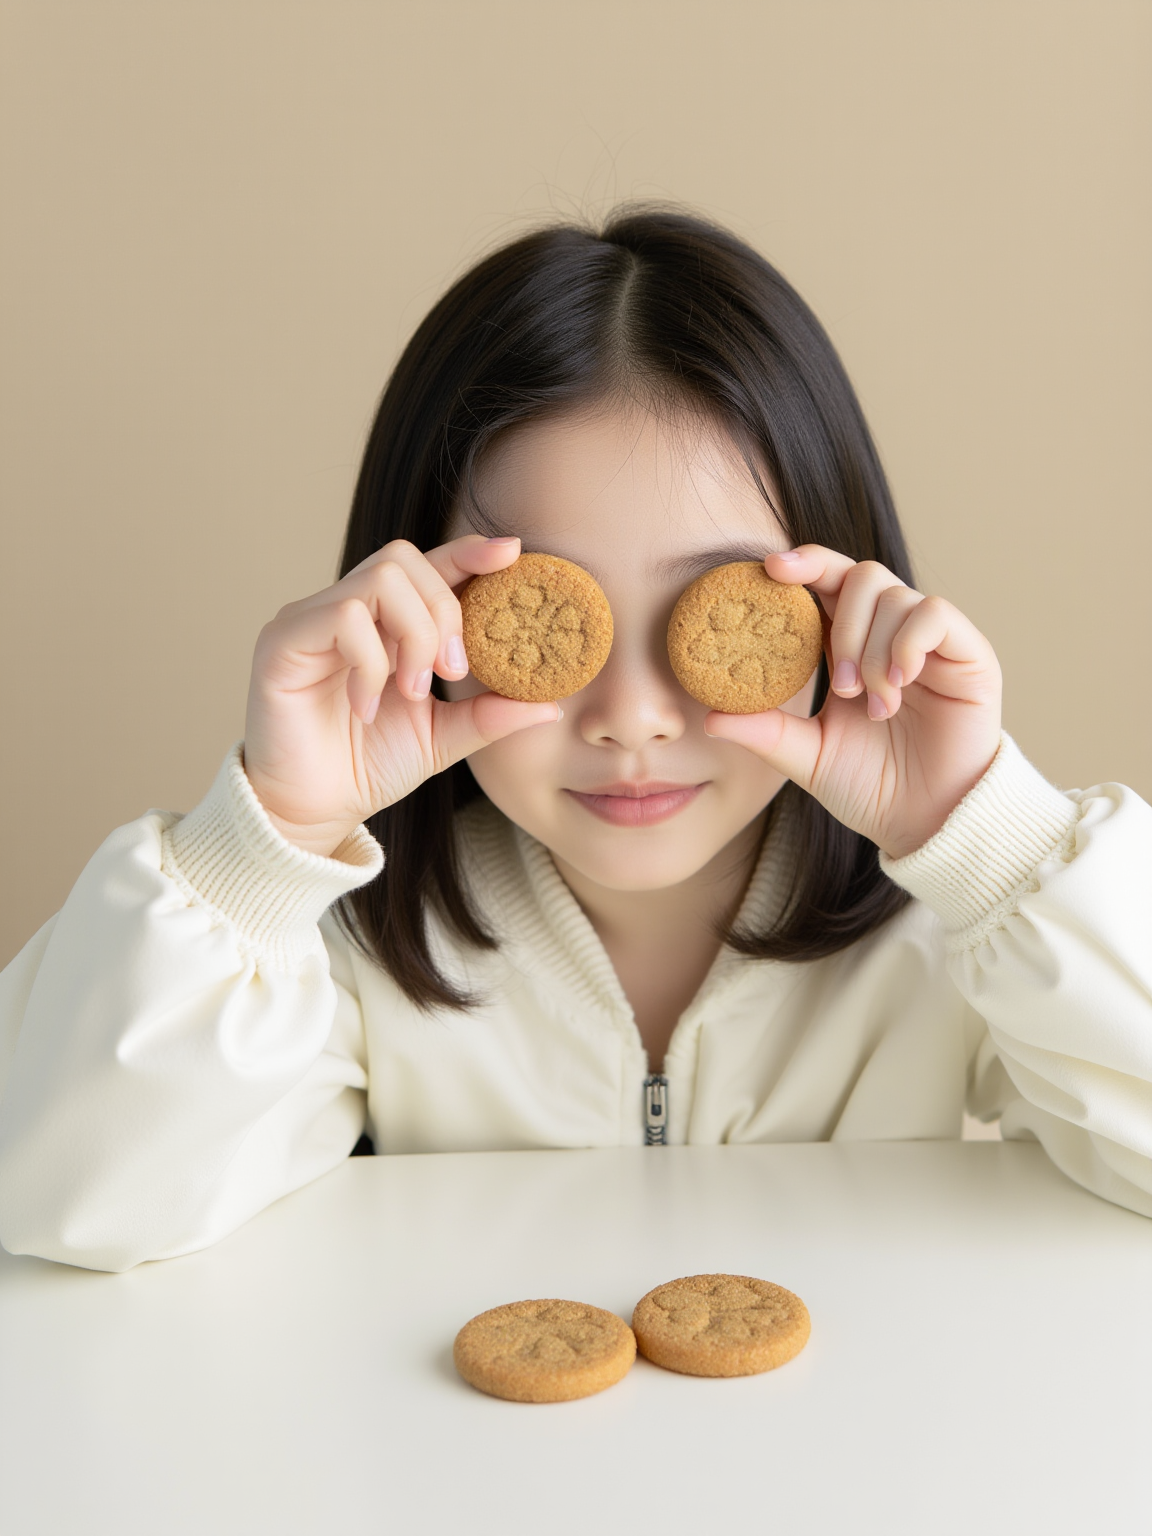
x: 662, y: 305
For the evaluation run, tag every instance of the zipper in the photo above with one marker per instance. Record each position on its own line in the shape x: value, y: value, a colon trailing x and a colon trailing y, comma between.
x: 655, y: 1111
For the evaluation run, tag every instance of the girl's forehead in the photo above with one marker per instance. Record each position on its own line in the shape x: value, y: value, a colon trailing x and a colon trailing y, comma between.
x: 672, y: 481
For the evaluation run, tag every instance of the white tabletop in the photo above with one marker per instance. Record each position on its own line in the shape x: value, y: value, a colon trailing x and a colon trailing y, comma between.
x: 980, y: 1359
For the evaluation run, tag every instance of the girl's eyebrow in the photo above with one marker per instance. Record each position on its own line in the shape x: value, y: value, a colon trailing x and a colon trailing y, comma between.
x: 688, y: 567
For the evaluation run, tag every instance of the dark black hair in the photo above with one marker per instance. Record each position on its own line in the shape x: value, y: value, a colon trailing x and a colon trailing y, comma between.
x: 663, y: 306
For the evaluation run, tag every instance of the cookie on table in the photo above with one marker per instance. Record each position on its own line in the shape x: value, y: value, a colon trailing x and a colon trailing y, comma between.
x: 544, y: 1351
x: 741, y: 642
x: 720, y: 1325
x: 540, y: 629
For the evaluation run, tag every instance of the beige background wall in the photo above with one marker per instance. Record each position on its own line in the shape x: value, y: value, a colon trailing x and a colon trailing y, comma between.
x: 223, y: 220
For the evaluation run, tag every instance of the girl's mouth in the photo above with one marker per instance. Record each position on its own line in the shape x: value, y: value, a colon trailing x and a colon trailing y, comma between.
x: 639, y: 805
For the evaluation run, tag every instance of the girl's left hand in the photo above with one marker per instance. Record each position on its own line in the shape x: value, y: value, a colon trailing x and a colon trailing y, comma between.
x: 912, y: 720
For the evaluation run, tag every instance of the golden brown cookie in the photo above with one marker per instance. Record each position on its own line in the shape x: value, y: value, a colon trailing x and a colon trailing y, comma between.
x: 544, y: 1351
x: 741, y: 642
x: 540, y: 629
x: 720, y: 1325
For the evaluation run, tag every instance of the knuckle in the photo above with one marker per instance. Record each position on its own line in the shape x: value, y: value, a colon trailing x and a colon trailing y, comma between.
x: 349, y: 608
x: 278, y: 630
x: 872, y: 668
x: 396, y: 547
x: 429, y: 632
x: 265, y: 643
x: 893, y: 597
x: 444, y: 606
x: 418, y: 633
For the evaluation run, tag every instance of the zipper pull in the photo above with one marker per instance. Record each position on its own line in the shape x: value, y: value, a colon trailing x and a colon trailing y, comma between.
x: 655, y: 1111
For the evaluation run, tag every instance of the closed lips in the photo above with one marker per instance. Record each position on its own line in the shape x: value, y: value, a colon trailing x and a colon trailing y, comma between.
x: 637, y: 791
x: 636, y: 805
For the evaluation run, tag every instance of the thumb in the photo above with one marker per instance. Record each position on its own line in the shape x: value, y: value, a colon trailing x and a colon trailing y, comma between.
x: 465, y: 726
x: 788, y: 743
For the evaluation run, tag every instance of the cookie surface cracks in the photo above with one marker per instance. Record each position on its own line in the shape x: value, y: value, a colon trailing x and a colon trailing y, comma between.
x: 547, y: 1351
x: 540, y: 629
x: 720, y: 1325
x: 742, y: 643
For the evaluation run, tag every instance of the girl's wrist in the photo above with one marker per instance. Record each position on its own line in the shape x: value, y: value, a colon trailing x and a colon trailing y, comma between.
x: 229, y: 855
x: 323, y: 840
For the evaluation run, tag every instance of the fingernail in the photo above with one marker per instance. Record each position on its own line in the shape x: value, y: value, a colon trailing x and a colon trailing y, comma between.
x: 559, y: 713
x: 877, y: 709
x: 506, y: 538
x: 786, y: 554
x: 845, y: 676
x: 895, y: 676
x: 423, y: 683
x: 372, y: 708
x: 456, y: 655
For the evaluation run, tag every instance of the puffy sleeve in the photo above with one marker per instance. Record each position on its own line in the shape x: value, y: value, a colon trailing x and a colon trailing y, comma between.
x: 1046, y: 901
x: 181, y: 1044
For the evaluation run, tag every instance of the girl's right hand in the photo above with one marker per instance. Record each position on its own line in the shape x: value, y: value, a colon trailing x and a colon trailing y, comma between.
x: 340, y: 720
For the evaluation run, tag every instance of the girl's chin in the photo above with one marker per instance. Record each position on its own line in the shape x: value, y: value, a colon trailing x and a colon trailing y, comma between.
x: 628, y: 868
x: 630, y: 881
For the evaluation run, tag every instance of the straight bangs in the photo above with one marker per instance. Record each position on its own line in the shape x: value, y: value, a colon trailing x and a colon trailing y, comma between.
x: 673, y: 313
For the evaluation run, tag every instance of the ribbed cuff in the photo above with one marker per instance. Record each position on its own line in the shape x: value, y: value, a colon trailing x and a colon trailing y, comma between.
x: 227, y: 855
x: 1008, y: 823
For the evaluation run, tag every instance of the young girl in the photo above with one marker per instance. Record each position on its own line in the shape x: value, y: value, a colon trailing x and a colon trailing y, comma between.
x: 412, y: 908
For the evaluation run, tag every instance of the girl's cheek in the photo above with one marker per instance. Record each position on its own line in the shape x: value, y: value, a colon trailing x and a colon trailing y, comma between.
x: 518, y: 761
x: 526, y: 761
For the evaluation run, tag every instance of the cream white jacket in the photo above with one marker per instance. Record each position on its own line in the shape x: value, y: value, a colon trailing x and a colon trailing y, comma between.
x: 191, y: 1036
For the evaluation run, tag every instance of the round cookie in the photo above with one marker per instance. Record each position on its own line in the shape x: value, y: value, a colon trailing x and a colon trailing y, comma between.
x: 720, y: 1325
x: 540, y: 629
x: 741, y: 642
x: 544, y: 1351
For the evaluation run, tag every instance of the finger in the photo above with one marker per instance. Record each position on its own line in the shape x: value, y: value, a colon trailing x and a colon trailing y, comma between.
x: 467, y: 725
x: 941, y: 647
x: 433, y: 576
x: 868, y: 592
x: 449, y: 658
x: 816, y: 567
x: 882, y: 677
x: 473, y: 555
x: 320, y: 641
x: 789, y: 743
x: 470, y: 555
x: 402, y: 616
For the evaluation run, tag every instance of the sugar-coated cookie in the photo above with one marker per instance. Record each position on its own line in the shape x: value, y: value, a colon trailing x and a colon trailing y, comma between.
x: 544, y: 1351
x: 741, y: 642
x: 720, y: 1325
x: 540, y: 629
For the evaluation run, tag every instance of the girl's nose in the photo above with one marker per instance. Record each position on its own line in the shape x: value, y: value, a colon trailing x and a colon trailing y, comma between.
x: 634, y: 699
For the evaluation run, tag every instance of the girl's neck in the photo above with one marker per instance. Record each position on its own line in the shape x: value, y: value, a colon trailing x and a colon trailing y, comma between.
x: 712, y: 894
x: 662, y: 943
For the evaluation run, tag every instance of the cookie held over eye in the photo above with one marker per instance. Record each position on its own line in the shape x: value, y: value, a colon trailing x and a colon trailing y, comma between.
x: 538, y: 630
x: 544, y: 1351
x: 742, y: 643
x: 720, y: 1325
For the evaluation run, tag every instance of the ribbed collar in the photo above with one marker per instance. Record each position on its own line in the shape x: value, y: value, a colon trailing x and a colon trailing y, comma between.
x: 543, y: 928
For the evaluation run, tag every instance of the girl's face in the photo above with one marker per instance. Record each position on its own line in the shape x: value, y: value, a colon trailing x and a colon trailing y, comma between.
x: 626, y: 788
